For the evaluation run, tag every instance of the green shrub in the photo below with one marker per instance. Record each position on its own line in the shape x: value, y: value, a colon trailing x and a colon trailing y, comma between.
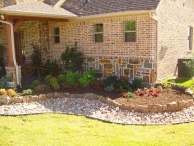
x: 72, y: 78
x: 54, y: 83
x: 129, y: 95
x: 61, y: 78
x: 190, y: 66
x: 123, y: 84
x: 87, y: 78
x: 109, y: 88
x: 3, y: 81
x: 47, y: 79
x: 27, y: 92
x: 137, y: 83
x: 35, y: 83
x: 111, y: 80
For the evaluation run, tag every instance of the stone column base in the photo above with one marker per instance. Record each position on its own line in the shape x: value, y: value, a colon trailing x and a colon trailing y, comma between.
x: 11, y: 73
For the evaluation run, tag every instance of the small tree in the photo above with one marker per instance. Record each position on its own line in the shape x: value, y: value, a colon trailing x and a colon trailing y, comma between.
x: 72, y: 59
x: 36, y: 56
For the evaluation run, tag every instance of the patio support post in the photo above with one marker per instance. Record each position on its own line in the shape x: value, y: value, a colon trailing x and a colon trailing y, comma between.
x: 9, y: 43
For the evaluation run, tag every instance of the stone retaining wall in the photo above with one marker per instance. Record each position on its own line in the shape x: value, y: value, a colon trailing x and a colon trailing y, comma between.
x: 155, y: 108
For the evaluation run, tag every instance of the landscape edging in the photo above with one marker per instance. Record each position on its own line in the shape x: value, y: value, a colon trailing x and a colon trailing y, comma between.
x: 155, y: 108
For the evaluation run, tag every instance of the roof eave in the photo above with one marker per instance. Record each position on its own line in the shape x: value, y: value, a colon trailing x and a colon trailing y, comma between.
x: 117, y: 14
x: 19, y: 13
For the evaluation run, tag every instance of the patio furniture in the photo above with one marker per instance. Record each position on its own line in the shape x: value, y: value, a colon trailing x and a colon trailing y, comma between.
x: 29, y: 70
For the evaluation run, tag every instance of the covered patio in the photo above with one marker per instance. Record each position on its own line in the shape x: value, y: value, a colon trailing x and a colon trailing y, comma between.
x: 14, y: 18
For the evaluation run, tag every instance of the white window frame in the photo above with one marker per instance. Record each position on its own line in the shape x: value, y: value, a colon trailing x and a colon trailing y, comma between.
x: 95, y: 33
x: 130, y: 31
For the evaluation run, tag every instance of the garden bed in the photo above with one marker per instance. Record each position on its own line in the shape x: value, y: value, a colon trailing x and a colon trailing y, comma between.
x: 168, y: 100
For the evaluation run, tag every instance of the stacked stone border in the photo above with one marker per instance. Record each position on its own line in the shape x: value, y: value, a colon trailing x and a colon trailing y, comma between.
x: 154, y: 108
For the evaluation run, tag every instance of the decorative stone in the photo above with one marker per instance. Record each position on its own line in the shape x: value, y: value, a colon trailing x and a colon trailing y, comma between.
x: 189, y: 91
x: 66, y: 94
x: 34, y: 98
x: 58, y: 95
x: 173, y: 106
x: 134, y: 61
x: 108, y: 66
x: 120, y: 61
x: 159, y: 108
x: 78, y: 95
x: 130, y: 107
x: 99, y: 75
x: 49, y: 95
x: 17, y: 99
x: 42, y: 97
x: 154, y: 109
x: 181, y: 104
x: 146, y: 79
x: 135, y: 69
x: 124, y: 78
x: 126, y: 72
x: 123, y: 106
x: 141, y: 108
x: 152, y: 76
x: 147, y: 64
x: 103, y: 61
x: 89, y: 59
x: 189, y: 103
x: 5, y: 99
x: 26, y: 98
x: 164, y: 108
x: 71, y: 95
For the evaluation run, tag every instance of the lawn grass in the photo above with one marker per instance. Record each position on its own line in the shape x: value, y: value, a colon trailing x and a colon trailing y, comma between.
x: 70, y: 130
x: 182, y: 82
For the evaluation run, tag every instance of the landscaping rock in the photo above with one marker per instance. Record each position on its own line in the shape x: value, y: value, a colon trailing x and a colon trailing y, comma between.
x: 49, y: 95
x: 141, y: 108
x: 17, y: 99
x: 34, y: 98
x: 153, y: 109
x: 5, y: 99
x: 42, y: 97
x: 189, y: 91
x: 173, y: 106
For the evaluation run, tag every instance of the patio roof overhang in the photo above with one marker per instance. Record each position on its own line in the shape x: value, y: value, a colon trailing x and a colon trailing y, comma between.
x: 36, y: 11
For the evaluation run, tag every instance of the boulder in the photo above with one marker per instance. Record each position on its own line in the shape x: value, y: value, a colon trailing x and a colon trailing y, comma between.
x: 5, y: 99
x: 17, y: 99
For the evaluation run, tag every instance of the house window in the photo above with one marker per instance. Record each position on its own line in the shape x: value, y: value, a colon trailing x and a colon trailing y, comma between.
x: 56, y: 35
x: 98, y: 32
x: 190, y: 37
x: 130, y: 31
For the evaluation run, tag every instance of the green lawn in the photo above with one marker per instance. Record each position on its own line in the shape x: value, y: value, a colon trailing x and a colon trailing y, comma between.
x: 183, y: 82
x: 70, y: 130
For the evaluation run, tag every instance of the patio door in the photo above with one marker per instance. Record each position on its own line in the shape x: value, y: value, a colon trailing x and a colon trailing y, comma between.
x: 18, y: 36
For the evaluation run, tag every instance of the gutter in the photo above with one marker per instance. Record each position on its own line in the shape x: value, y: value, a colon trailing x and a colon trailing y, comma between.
x: 116, y: 14
x: 13, y: 49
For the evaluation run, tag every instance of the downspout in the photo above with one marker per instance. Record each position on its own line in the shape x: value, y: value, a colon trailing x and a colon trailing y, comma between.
x: 13, y: 49
x: 155, y: 18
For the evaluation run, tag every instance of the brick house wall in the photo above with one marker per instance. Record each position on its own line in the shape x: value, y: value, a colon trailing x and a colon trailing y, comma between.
x: 174, y: 17
x: 114, y: 56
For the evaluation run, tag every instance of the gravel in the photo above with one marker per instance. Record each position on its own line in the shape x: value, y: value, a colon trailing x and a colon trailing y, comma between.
x: 98, y: 110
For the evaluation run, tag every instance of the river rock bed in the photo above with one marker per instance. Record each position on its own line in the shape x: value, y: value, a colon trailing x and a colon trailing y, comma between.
x: 98, y: 110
